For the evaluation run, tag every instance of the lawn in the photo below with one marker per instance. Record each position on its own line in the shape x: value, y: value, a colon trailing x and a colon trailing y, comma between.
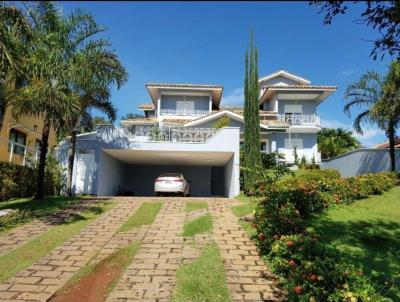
x: 34, y: 208
x: 25, y: 255
x: 367, y: 233
x: 145, y: 215
x: 203, y: 279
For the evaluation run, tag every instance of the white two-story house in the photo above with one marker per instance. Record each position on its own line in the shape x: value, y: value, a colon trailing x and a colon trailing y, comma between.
x: 177, y: 134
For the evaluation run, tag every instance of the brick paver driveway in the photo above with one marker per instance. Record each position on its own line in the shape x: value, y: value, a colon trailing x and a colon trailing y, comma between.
x: 151, y: 274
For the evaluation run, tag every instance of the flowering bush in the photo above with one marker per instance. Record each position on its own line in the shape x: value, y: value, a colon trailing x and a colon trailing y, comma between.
x: 312, y: 270
x: 315, y: 272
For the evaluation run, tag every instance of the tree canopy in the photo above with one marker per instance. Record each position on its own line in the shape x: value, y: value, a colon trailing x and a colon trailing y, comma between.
x: 382, y: 16
x: 333, y: 142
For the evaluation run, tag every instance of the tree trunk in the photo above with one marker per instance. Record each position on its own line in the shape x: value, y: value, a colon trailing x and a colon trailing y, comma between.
x: 391, y: 136
x: 42, y: 159
x: 71, y: 156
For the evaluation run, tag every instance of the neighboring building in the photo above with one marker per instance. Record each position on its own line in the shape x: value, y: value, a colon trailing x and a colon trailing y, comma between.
x: 177, y: 135
x: 20, y: 139
x: 385, y: 145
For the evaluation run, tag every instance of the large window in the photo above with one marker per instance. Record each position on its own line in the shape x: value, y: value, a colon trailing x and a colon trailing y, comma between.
x: 295, y: 141
x: 19, y: 140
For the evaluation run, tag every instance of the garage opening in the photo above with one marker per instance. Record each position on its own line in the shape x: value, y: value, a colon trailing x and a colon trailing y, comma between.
x: 127, y: 173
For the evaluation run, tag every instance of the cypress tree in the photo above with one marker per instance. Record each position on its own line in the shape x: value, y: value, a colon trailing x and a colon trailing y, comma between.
x: 252, y: 152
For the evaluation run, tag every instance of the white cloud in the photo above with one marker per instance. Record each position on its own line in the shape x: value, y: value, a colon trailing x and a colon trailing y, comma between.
x: 235, y: 98
x: 348, y: 72
x: 370, y: 137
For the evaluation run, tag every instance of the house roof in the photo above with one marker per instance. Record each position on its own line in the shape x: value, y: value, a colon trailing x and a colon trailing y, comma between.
x: 317, y: 92
x: 139, y: 121
x: 385, y: 145
x: 285, y: 74
x: 215, y: 90
x: 175, y: 121
x: 148, y: 106
x: 266, y: 124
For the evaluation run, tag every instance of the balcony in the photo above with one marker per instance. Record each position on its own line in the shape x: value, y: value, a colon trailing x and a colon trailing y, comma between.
x: 183, y: 112
x: 297, y: 119
x: 169, y: 134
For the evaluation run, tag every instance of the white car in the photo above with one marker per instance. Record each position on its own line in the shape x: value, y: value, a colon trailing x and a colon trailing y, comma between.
x: 171, y: 183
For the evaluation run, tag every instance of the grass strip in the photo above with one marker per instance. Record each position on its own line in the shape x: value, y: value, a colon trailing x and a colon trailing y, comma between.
x: 243, y: 209
x: 146, y: 214
x: 195, y: 205
x: 203, y: 279
x: 30, y: 209
x: 23, y: 256
x: 94, y: 282
x: 199, y: 225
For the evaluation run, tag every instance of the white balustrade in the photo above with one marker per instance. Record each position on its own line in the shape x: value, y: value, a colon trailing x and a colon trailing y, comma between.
x: 299, y: 119
x: 183, y: 112
x: 170, y: 134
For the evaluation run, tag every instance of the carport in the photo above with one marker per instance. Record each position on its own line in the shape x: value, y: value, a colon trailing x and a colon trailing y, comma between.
x: 134, y: 171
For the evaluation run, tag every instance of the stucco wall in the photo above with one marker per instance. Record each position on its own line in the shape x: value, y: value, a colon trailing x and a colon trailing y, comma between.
x: 308, y: 107
x: 111, y: 174
x: 362, y: 161
x: 169, y: 102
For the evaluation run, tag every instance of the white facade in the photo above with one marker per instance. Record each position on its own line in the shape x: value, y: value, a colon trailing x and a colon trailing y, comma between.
x: 177, y: 135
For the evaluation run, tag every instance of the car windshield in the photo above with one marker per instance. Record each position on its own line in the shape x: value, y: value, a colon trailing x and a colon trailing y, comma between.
x: 170, y: 175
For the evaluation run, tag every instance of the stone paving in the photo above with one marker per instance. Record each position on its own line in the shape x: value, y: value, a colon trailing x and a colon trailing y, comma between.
x: 20, y: 235
x: 42, y: 279
x: 248, y: 278
x: 151, y: 274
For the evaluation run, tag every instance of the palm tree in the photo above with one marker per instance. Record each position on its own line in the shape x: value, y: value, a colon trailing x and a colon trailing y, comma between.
x: 46, y: 93
x: 98, y: 69
x: 369, y: 95
x: 15, y: 33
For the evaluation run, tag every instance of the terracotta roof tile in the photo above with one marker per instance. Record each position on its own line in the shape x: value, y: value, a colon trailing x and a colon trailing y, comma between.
x: 299, y: 87
x: 176, y: 121
x: 136, y: 121
x: 148, y: 106
x: 182, y: 85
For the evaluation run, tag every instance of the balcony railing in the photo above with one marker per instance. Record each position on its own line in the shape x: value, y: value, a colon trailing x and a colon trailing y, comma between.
x: 183, y: 112
x: 299, y: 119
x: 169, y: 134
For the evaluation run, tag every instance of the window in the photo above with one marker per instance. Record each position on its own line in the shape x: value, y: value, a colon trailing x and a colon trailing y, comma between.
x: 294, y: 141
x: 19, y: 138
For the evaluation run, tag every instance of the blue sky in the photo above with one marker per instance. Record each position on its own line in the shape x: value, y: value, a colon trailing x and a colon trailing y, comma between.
x: 200, y: 42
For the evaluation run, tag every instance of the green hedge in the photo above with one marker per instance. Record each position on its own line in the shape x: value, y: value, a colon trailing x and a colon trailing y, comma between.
x: 20, y: 181
x: 313, y: 272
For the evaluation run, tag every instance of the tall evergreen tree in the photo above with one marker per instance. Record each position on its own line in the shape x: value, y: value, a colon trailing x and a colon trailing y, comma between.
x: 252, y: 152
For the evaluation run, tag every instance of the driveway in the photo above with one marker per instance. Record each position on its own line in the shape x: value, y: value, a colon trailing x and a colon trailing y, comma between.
x: 151, y: 274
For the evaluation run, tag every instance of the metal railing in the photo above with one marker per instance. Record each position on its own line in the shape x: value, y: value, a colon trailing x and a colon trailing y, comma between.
x: 174, y: 112
x: 299, y: 119
x: 169, y: 134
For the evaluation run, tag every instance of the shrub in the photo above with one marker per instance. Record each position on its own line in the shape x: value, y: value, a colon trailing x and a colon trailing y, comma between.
x: 12, y: 219
x: 222, y: 122
x: 20, y: 181
x: 313, y: 271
